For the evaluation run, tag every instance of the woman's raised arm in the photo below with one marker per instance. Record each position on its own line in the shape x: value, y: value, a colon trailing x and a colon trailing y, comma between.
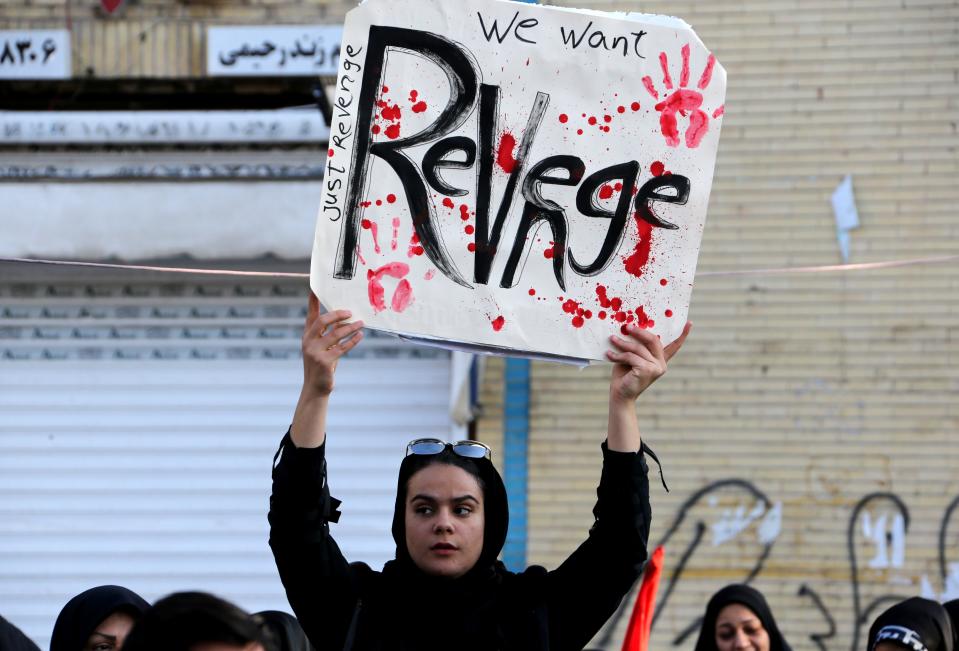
x: 326, y: 338
x: 640, y: 359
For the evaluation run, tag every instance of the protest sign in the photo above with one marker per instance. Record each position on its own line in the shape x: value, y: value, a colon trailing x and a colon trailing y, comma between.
x: 515, y: 177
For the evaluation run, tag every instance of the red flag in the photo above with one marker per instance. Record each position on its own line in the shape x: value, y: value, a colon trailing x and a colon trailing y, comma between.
x: 641, y: 621
x: 110, y: 5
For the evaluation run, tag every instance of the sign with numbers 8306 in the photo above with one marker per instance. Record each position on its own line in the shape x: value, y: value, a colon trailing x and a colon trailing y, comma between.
x: 35, y: 54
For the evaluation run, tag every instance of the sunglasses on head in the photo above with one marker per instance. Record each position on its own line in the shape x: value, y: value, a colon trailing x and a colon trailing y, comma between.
x: 468, y: 449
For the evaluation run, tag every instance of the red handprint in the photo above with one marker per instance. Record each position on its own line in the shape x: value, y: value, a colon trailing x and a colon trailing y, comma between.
x: 683, y: 100
x: 402, y: 296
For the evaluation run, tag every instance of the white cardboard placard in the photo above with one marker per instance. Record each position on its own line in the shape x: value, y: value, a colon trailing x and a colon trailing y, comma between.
x: 516, y: 177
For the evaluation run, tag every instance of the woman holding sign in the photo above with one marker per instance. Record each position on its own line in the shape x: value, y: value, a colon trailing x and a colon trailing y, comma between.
x: 445, y: 589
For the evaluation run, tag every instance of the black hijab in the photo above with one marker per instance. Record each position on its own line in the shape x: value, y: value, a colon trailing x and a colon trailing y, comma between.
x: 286, y: 629
x: 13, y: 639
x: 475, y: 609
x: 746, y: 596
x: 82, y: 614
x: 495, y: 506
x: 915, y: 623
x: 952, y: 608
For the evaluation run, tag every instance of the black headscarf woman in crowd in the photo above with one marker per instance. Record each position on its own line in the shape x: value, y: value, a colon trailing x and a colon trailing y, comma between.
x: 13, y: 639
x: 445, y: 589
x: 916, y: 624
x: 98, y: 619
x: 738, y: 619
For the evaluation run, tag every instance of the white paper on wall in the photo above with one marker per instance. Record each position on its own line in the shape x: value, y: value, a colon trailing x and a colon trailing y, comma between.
x: 516, y: 177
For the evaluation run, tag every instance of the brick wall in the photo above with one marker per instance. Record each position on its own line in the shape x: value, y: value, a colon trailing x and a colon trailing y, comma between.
x: 812, y: 391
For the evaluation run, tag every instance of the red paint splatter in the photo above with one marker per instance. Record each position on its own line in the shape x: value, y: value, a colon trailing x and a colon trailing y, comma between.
x: 471, y: 247
x: 386, y: 89
x: 419, y: 107
x: 618, y: 187
x: 372, y: 227
x: 504, y: 155
x: 602, y: 314
x: 464, y: 212
x: 663, y: 282
x: 391, y: 198
x: 396, y: 233
x: 707, y: 73
x: 644, y: 321
x: 657, y: 168
x: 429, y: 274
x: 616, y: 303
x: 579, y: 132
x: 650, y: 88
x: 469, y: 230
x: 402, y: 296
x: 591, y: 120
x: 393, y: 131
x: 532, y: 292
x: 602, y: 297
x: 498, y: 323
x: 664, y: 64
x: 634, y: 106
x: 578, y: 322
x: 606, y: 129
x: 366, y: 204
x: 620, y: 109
x: 548, y: 253
x: 330, y: 153
x: 605, y: 191
x: 391, y: 113
x: 379, y: 202
x: 448, y: 203
x: 413, y: 95
x: 636, y: 263
x: 668, y: 313
x: 563, y: 118
x: 570, y: 306
x: 607, y: 118
x: 684, y: 75
x: 621, y: 317
x: 376, y: 129
x: 718, y: 112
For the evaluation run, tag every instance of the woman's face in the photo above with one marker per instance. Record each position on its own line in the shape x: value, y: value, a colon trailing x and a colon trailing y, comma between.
x: 738, y: 629
x: 444, y: 520
x: 110, y: 634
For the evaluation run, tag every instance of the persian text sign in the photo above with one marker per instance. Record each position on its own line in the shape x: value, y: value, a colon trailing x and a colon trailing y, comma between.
x: 35, y: 54
x: 274, y: 50
x: 515, y: 176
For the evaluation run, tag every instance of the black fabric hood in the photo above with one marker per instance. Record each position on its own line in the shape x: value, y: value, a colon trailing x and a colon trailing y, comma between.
x: 13, y: 639
x: 495, y: 506
x: 84, y: 612
x: 752, y: 599
x: 915, y: 623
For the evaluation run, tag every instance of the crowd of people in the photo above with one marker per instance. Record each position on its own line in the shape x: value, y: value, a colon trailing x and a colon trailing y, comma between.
x: 446, y: 588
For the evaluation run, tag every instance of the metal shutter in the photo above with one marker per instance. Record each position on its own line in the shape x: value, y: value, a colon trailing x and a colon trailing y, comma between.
x: 138, y: 424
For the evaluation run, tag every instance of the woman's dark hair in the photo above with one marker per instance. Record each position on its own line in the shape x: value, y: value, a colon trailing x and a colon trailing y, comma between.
x: 84, y: 612
x: 184, y: 619
x: 495, y: 504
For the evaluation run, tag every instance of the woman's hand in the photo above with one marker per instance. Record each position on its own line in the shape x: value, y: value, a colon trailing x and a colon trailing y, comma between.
x: 640, y: 360
x: 326, y: 338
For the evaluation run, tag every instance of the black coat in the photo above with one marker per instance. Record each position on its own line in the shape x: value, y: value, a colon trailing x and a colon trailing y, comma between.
x: 13, y: 639
x: 351, y: 606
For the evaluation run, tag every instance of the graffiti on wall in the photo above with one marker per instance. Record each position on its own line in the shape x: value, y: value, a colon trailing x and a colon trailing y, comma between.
x: 712, y: 544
